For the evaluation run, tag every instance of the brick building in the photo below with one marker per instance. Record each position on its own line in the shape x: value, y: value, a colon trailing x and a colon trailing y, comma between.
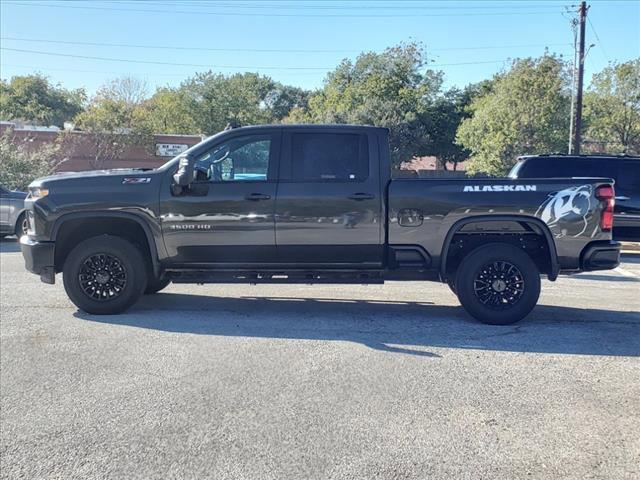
x: 80, y: 152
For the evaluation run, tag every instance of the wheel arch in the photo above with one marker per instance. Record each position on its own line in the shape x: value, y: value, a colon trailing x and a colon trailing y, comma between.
x: 513, y: 219
x: 101, y: 217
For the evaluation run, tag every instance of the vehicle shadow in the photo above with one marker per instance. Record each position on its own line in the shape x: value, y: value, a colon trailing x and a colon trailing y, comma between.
x: 9, y: 245
x: 391, y: 326
x: 630, y: 257
x: 604, y: 278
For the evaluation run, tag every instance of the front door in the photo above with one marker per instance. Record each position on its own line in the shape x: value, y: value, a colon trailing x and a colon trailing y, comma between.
x: 329, y: 206
x: 227, y: 215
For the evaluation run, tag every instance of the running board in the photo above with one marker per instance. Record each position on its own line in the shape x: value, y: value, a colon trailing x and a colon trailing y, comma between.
x: 284, y: 277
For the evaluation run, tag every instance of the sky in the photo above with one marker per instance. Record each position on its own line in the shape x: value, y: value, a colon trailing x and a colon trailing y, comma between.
x: 83, y: 44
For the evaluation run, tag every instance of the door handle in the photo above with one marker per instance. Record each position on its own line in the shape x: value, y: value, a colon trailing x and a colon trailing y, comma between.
x: 361, y: 196
x: 622, y: 198
x: 254, y: 197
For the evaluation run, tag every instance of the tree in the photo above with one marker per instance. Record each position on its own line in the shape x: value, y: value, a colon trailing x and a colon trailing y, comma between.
x: 32, y: 98
x: 386, y: 89
x: 111, y: 119
x: 444, y: 117
x: 20, y: 165
x: 523, y: 111
x: 242, y: 98
x: 168, y: 111
x: 612, y: 108
x: 130, y: 91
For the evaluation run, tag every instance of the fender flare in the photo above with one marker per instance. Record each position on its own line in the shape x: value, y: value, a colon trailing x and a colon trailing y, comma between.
x: 151, y: 242
x: 457, y: 226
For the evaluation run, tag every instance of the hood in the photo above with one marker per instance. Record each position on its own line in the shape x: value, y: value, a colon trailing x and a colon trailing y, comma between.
x: 93, y: 173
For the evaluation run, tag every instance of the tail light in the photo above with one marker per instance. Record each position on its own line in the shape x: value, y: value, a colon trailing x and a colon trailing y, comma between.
x: 606, y: 195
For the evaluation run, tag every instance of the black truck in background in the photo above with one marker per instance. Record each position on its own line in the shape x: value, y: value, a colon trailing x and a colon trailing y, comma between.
x: 312, y: 204
x: 623, y: 169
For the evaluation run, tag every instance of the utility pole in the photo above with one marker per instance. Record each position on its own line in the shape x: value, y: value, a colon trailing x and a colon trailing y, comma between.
x: 577, y: 120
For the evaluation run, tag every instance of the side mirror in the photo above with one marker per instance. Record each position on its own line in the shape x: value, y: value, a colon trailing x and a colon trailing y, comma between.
x: 184, y: 176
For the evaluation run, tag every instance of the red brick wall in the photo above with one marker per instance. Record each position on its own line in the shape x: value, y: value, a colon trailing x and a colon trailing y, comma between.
x: 79, y: 151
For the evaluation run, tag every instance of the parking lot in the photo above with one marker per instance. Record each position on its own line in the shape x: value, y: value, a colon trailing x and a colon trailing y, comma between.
x: 258, y: 382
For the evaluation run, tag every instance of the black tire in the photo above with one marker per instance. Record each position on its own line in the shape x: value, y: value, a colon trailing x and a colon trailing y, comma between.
x: 498, y: 284
x: 154, y: 285
x: 104, y: 275
x: 22, y: 225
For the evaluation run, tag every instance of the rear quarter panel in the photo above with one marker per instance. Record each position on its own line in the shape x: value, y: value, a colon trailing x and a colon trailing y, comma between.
x: 568, y: 207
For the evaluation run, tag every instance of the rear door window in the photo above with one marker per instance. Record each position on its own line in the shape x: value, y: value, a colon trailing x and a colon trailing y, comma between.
x: 329, y: 157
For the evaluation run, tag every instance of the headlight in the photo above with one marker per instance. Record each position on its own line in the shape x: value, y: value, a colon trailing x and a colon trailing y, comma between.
x: 38, y: 192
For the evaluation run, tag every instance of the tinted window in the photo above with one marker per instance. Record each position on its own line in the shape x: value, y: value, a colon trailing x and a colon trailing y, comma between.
x: 243, y: 159
x: 629, y: 176
x: 547, y: 167
x: 329, y: 157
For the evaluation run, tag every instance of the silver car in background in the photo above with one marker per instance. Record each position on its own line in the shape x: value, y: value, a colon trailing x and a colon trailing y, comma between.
x: 13, y: 218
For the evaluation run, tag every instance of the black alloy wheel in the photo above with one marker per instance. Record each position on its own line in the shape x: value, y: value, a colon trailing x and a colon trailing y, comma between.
x: 102, y: 277
x: 105, y: 275
x: 499, y: 285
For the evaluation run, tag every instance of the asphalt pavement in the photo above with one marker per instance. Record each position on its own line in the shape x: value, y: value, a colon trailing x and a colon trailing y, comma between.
x: 259, y: 382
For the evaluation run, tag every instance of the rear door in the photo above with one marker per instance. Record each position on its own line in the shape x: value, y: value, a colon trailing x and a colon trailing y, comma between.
x: 329, y: 201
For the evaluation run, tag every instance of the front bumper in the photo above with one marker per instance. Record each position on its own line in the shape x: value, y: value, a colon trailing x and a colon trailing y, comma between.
x: 39, y: 258
x: 601, y: 256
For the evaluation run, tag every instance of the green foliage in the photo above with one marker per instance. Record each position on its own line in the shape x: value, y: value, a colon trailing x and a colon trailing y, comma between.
x: 612, y: 108
x: 242, y: 98
x: 168, y: 111
x: 443, y: 118
x: 386, y: 89
x: 523, y: 111
x: 20, y: 165
x: 32, y: 98
x: 112, y: 119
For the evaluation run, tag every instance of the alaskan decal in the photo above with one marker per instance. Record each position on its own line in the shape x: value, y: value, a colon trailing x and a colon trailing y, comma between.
x: 135, y: 180
x: 568, y: 211
x: 500, y: 188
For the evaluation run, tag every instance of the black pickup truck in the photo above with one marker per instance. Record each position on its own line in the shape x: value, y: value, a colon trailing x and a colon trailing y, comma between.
x: 312, y: 204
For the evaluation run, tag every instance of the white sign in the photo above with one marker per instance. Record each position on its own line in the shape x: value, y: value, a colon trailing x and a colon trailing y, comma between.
x: 170, y: 149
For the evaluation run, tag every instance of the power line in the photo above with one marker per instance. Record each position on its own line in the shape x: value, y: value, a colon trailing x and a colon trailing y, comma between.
x: 593, y: 29
x: 295, y: 15
x: 265, y: 50
x: 152, y: 62
x: 102, y: 72
x: 353, y: 6
x: 211, y: 66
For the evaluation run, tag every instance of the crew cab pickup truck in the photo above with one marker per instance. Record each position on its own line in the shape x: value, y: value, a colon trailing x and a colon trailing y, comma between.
x: 312, y: 204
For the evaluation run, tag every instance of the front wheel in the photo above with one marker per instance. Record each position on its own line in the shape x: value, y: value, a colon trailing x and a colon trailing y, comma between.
x: 498, y: 284
x: 154, y: 285
x: 104, y: 275
x: 22, y: 225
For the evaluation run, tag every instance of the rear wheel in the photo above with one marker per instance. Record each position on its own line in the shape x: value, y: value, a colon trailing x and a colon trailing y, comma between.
x: 104, y: 275
x: 498, y: 284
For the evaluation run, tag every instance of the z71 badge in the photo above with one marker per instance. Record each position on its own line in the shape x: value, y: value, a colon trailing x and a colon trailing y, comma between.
x: 135, y: 180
